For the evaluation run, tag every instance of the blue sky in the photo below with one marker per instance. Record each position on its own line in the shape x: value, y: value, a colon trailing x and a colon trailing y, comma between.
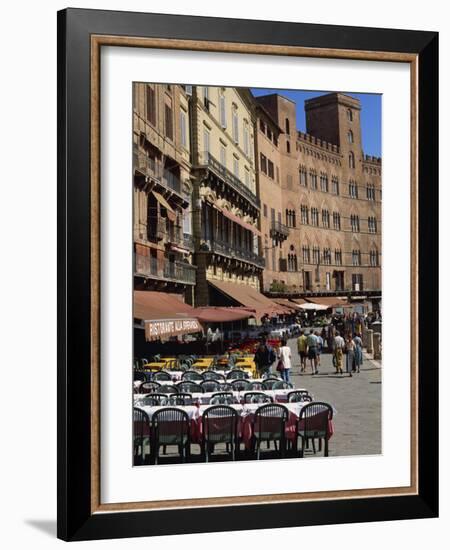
x: 370, y: 114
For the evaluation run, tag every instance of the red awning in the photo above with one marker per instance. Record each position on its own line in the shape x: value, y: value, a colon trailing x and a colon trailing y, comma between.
x: 213, y: 314
x: 239, y: 221
x: 164, y: 314
x: 250, y: 298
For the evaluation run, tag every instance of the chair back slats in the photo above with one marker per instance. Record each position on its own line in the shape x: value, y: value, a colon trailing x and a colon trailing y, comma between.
x: 141, y: 434
x: 162, y: 375
x: 314, y: 419
x: 192, y: 376
x: 237, y: 374
x: 219, y: 424
x: 170, y: 426
x: 268, y: 383
x: 180, y: 399
x: 297, y: 396
x: 154, y: 400
x: 210, y: 385
x: 240, y: 385
x: 149, y: 387
x: 270, y: 422
x: 257, y: 397
x: 189, y: 387
x: 168, y: 388
x: 281, y: 385
x: 222, y: 398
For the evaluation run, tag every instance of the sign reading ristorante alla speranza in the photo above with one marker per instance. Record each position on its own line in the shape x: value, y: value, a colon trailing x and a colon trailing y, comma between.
x: 163, y: 328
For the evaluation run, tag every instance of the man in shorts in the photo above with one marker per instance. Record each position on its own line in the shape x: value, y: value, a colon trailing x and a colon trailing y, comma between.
x: 302, y: 349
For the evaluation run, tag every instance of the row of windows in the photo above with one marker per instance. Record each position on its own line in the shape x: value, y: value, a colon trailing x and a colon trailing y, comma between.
x: 354, y: 219
x: 315, y: 256
x: 352, y: 186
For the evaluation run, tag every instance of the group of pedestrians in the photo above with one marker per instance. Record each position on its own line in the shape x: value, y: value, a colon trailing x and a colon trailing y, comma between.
x: 346, y: 351
x: 351, y: 349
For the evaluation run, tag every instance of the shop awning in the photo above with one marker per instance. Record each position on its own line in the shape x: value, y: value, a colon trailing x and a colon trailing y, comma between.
x: 249, y: 297
x: 164, y: 315
x: 239, y: 221
x: 313, y: 307
x: 163, y: 202
x: 286, y: 303
x: 216, y: 314
x: 329, y: 301
x: 298, y: 301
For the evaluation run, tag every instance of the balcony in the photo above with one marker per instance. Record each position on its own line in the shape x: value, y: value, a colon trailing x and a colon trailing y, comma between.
x: 279, y: 231
x: 155, y: 170
x: 206, y: 159
x: 238, y: 253
x: 179, y: 272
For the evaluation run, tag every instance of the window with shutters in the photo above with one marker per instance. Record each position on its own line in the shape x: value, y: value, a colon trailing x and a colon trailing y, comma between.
x: 235, y: 125
x: 206, y: 140
x: 263, y: 162
x: 270, y: 170
x: 246, y: 138
x: 222, y: 109
x: 183, y: 128
x: 151, y: 105
x: 168, y: 121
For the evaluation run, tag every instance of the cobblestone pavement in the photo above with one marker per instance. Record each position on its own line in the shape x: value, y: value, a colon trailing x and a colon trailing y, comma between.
x: 357, y: 401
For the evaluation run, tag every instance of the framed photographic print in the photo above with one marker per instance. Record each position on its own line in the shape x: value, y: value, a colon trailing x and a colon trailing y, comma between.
x: 247, y: 274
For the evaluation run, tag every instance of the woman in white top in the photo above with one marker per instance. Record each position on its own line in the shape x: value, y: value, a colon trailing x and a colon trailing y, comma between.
x: 284, y: 355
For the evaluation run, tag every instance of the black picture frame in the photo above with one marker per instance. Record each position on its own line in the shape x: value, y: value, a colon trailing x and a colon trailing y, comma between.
x: 75, y: 518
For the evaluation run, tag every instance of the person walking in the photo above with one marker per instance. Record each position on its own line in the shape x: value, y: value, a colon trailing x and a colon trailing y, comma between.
x: 358, y: 351
x: 284, y: 357
x: 320, y: 345
x: 264, y: 358
x: 302, y: 347
x: 312, y: 343
x: 350, y: 354
x: 338, y: 346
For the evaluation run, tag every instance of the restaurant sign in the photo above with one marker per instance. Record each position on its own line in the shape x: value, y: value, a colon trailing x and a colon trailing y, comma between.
x: 161, y: 329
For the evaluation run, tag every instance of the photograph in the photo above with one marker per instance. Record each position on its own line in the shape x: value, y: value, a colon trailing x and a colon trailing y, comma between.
x: 257, y: 274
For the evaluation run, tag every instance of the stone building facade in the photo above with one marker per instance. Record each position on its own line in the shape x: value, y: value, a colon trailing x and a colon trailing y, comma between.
x: 227, y: 190
x: 162, y: 217
x: 330, y: 200
x: 226, y: 207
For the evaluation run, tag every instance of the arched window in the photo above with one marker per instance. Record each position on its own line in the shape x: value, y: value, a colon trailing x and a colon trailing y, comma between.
x: 349, y: 115
x: 286, y: 124
x: 350, y: 136
x: 351, y: 160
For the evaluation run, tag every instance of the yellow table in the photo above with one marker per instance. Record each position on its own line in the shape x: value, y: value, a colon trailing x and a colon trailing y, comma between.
x: 154, y: 366
x: 203, y: 363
